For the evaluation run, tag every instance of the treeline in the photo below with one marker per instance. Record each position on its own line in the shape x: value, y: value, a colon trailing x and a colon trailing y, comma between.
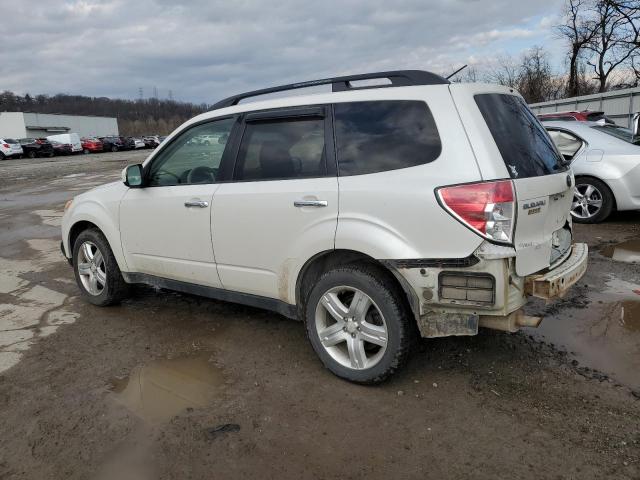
x: 135, y: 117
x: 602, y: 41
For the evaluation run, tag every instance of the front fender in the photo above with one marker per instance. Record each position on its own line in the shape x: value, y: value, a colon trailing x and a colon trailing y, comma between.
x: 101, y: 208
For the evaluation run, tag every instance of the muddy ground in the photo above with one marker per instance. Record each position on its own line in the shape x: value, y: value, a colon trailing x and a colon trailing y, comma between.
x: 174, y: 386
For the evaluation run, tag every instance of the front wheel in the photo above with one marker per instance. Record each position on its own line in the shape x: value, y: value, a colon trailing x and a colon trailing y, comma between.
x: 592, y: 201
x: 31, y: 154
x: 96, y: 270
x: 358, y: 324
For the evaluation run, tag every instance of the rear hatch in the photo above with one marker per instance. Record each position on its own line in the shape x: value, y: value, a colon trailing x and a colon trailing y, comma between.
x: 14, y: 145
x: 510, y: 143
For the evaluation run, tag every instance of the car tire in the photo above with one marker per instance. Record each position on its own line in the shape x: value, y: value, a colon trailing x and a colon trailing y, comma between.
x: 2, y: 156
x: 347, y: 350
x: 86, y: 151
x: 96, y: 270
x: 32, y: 154
x: 51, y: 155
x: 593, y: 201
x: 114, y: 148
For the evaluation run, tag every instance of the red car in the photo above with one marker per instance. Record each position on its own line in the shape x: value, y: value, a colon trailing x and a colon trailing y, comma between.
x: 583, y: 116
x: 91, y: 145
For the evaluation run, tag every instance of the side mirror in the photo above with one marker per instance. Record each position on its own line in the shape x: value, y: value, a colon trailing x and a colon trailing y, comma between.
x: 635, y: 124
x: 132, y: 176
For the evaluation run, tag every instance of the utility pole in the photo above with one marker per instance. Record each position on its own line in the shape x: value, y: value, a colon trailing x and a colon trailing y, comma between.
x: 155, y: 92
x: 171, y: 95
x: 141, y: 93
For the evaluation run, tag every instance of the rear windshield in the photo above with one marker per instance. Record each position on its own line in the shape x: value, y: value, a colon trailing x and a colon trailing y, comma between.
x: 545, y: 118
x: 526, y: 148
x: 618, y: 132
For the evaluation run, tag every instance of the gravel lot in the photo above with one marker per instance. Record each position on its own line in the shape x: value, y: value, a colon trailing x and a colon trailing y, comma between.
x: 168, y: 385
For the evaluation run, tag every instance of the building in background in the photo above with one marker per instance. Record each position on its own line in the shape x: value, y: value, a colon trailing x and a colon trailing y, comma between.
x: 618, y: 105
x: 37, y: 125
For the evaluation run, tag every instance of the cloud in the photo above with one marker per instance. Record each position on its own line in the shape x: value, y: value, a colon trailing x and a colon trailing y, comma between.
x: 203, y: 50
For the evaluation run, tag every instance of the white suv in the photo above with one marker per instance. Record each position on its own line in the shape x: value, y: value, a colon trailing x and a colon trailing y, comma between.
x: 372, y: 214
x: 10, y: 148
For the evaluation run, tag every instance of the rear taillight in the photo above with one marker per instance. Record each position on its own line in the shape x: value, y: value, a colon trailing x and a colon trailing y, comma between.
x: 6, y: 145
x: 487, y: 207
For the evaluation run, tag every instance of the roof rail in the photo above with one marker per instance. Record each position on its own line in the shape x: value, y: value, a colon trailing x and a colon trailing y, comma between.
x: 398, y: 78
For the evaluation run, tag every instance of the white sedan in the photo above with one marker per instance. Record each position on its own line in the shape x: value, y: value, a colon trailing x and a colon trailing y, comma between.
x: 606, y: 162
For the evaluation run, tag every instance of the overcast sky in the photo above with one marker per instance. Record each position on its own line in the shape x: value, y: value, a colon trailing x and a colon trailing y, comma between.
x: 203, y: 50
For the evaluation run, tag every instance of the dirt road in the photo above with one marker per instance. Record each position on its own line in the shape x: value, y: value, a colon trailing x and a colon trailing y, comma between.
x: 174, y: 386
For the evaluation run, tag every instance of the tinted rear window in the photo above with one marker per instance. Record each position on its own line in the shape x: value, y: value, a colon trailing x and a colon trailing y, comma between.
x: 282, y: 149
x: 525, y: 146
x: 560, y: 117
x: 384, y: 135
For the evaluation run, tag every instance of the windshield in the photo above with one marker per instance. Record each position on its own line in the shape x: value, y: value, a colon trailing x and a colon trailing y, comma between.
x: 618, y: 132
x: 525, y: 146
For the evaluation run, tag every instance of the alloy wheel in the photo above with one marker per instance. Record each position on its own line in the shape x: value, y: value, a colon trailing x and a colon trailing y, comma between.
x: 351, y: 327
x: 91, y: 268
x: 587, y: 201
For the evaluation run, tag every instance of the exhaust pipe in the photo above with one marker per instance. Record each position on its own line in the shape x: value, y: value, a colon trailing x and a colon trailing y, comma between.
x: 510, y: 323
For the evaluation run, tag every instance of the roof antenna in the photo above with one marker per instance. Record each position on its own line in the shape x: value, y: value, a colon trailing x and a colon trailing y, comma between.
x: 457, y: 71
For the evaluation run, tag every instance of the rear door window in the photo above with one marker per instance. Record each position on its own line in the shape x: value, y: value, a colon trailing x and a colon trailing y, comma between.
x: 526, y: 148
x: 282, y: 149
x: 378, y: 136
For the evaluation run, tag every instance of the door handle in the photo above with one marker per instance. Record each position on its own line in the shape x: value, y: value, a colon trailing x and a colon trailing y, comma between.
x: 310, y: 203
x: 196, y: 203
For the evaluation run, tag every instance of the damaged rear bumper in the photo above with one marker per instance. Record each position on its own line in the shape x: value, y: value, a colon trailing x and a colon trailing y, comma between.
x: 555, y: 282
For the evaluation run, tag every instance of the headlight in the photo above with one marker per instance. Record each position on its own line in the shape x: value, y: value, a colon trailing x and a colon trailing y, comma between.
x: 67, y: 205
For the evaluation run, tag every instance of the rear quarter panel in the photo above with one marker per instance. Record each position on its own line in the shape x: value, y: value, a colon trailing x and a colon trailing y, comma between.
x: 395, y: 214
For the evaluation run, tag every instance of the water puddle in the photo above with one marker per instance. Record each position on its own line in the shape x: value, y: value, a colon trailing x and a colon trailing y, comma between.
x: 628, y: 251
x: 630, y: 315
x: 161, y: 389
x: 605, y: 336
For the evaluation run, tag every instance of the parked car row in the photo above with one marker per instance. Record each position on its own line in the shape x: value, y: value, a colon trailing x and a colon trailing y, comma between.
x: 71, y: 143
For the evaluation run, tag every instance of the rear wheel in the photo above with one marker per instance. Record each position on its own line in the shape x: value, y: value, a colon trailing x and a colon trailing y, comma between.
x: 2, y: 156
x: 97, y: 273
x: 592, y: 201
x: 358, y: 324
x: 31, y: 154
x: 114, y: 148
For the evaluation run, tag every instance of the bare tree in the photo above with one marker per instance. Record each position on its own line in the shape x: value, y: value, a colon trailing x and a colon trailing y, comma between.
x: 531, y: 75
x: 536, y: 81
x: 615, y: 41
x: 579, y: 31
x: 505, y: 72
x: 630, y: 10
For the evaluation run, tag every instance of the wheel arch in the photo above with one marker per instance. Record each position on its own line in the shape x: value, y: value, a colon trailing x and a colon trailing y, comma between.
x: 322, y: 262
x: 613, y: 195
x: 112, y: 236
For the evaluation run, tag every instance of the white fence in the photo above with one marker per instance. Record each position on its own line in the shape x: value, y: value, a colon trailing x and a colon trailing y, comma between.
x: 619, y: 105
